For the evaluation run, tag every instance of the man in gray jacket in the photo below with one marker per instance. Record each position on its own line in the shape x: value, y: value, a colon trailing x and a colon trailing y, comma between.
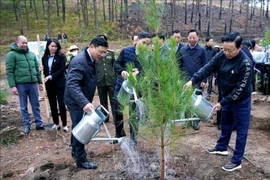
x: 80, y: 89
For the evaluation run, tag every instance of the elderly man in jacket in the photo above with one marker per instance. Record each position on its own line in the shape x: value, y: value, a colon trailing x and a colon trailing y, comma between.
x: 23, y: 76
x: 79, y: 92
x: 234, y: 76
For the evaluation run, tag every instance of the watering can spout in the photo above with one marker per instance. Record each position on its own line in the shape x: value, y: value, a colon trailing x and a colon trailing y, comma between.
x: 121, y: 140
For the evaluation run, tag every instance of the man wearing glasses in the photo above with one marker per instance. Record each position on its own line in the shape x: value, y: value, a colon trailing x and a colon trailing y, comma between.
x: 80, y: 89
x: 126, y: 56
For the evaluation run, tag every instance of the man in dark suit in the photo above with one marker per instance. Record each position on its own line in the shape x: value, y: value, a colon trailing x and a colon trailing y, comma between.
x: 80, y: 90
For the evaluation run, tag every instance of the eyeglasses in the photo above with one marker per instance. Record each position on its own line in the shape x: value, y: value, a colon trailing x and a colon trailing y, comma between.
x: 102, y: 53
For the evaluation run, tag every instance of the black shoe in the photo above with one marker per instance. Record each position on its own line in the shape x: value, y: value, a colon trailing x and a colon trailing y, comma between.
x: 116, y: 141
x: 87, y: 165
x: 39, y: 128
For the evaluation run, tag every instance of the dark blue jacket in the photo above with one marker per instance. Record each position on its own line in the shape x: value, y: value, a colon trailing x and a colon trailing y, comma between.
x: 127, y: 55
x: 210, y: 52
x: 234, y: 76
x: 81, y: 81
x: 192, y: 60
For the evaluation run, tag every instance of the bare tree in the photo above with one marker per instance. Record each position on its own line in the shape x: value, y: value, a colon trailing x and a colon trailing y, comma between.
x: 186, y: 10
x: 198, y: 15
x: 57, y: 8
x: 110, y: 11
x: 64, y: 10
x: 96, y: 15
x: 79, y: 17
x: 43, y: 7
x: 220, y: 8
x: 49, y: 17
x: 35, y: 7
x: 172, y: 14
x: 103, y: 8
x: 20, y: 16
x: 231, y: 14
x: 121, y: 14
x: 209, y: 19
x: 192, y: 12
x: 85, y: 13
x: 115, y: 10
x: 26, y: 13
x: 247, y: 12
x: 15, y: 10
x: 267, y: 9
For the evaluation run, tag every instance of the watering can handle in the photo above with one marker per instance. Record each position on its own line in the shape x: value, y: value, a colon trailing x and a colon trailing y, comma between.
x: 197, y: 90
x: 104, y: 110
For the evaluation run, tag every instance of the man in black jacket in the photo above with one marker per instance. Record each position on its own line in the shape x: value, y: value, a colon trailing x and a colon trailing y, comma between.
x: 234, y: 76
x: 80, y: 89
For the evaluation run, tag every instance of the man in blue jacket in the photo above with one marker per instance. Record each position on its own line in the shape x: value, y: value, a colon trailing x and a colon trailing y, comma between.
x: 234, y: 76
x: 126, y: 56
x: 79, y: 91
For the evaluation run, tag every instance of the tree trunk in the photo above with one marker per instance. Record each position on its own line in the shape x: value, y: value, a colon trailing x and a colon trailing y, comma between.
x: 231, y: 14
x: 103, y: 7
x: 121, y: 14
x: 85, y: 12
x: 96, y: 15
x: 20, y: 17
x: 64, y: 10
x: 206, y: 8
x: 43, y: 7
x: 186, y: 10
x: 49, y: 18
x: 209, y: 19
x: 267, y: 9
x: 15, y: 10
x: 192, y: 11
x: 250, y: 18
x: 162, y: 173
x: 79, y: 17
x: 172, y: 14
x: 31, y: 4
x: 220, y: 8
x: 35, y: 7
x: 26, y: 13
x: 247, y: 12
x: 57, y: 8
x: 110, y: 12
x: 115, y: 17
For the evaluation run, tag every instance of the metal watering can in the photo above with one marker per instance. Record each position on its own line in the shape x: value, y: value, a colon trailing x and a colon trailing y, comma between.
x: 126, y: 91
x: 203, y: 108
x: 89, y: 125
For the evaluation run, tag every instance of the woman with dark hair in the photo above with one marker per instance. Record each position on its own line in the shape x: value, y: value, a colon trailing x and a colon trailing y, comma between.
x: 54, y: 72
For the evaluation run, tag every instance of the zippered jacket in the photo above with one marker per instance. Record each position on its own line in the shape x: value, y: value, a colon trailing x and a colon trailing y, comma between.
x: 22, y: 66
x: 234, y: 76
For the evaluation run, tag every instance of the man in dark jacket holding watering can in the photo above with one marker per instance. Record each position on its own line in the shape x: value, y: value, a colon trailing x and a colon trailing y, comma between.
x: 80, y: 89
x: 126, y: 56
x: 234, y: 76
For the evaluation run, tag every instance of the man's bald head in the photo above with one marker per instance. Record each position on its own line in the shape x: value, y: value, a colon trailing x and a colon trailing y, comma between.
x: 21, y: 42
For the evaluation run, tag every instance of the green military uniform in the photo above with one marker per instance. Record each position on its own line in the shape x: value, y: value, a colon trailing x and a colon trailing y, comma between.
x: 106, y: 79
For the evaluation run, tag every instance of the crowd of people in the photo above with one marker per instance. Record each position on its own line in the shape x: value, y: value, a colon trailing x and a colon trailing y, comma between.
x: 71, y: 81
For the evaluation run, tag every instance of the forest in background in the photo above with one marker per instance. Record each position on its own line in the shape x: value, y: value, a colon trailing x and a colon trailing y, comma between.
x: 119, y: 19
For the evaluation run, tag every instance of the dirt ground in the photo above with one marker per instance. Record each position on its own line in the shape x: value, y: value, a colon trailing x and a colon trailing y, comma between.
x: 43, y: 155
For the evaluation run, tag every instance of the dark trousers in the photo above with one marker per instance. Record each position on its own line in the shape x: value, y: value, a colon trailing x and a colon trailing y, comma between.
x: 235, y: 115
x: 210, y: 84
x: 55, y: 95
x: 103, y: 92
x: 77, y: 146
x: 219, y: 112
x: 119, y: 122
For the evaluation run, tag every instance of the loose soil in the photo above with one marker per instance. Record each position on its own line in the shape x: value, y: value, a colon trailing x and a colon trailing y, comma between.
x: 43, y: 155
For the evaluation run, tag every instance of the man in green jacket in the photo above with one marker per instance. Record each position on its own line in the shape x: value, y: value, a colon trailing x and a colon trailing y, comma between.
x: 23, y: 76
